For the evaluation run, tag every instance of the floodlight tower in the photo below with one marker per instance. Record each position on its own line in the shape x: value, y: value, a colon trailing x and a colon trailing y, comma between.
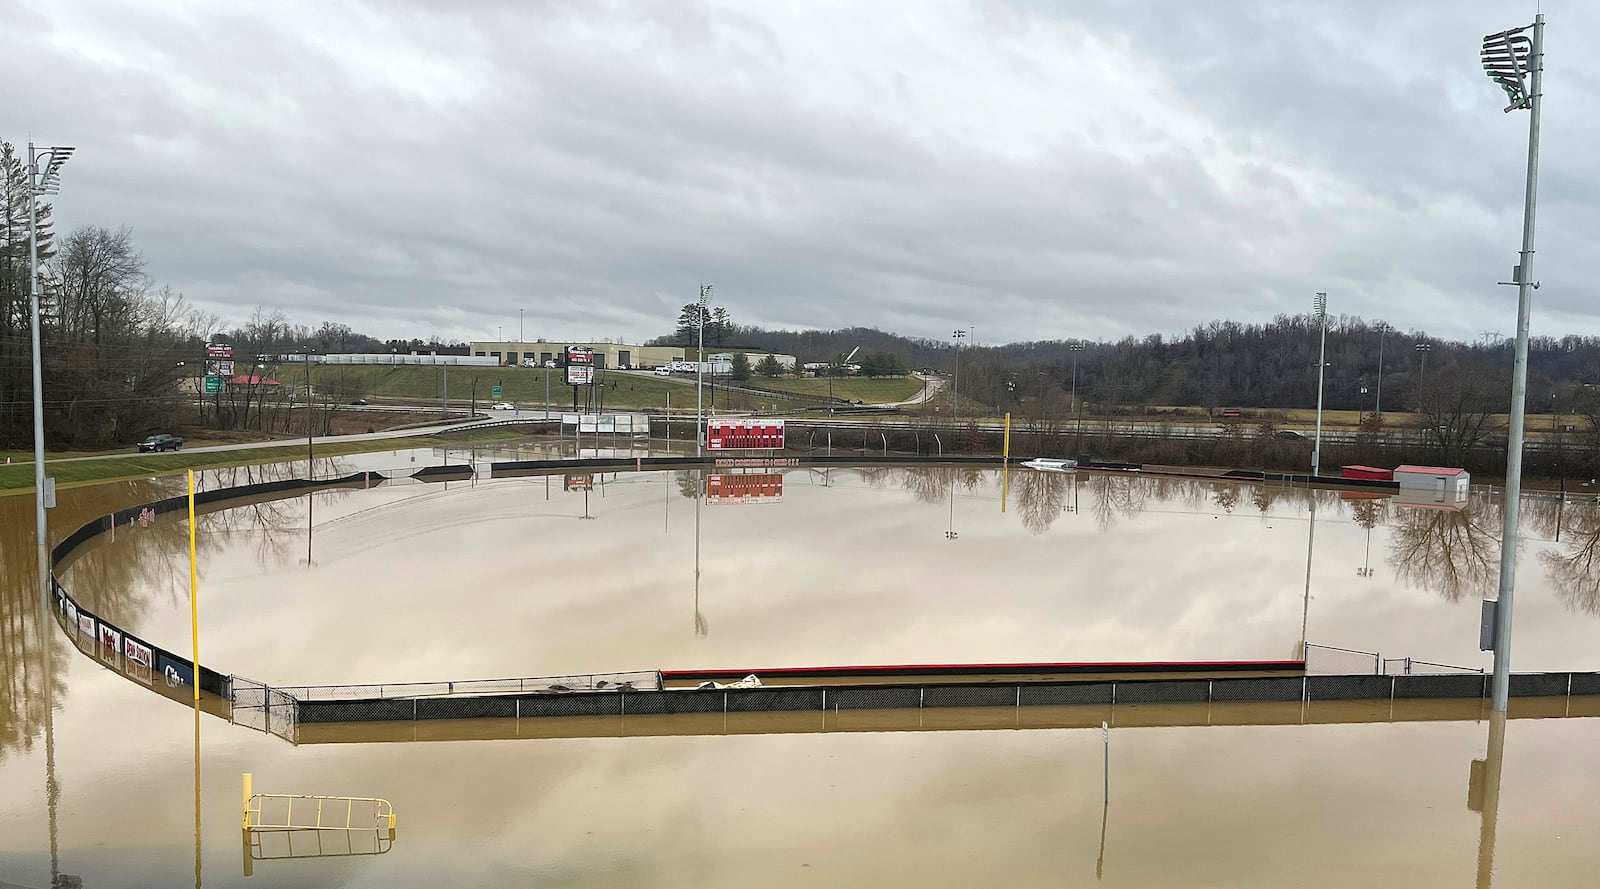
x: 1516, y: 63
x: 40, y: 182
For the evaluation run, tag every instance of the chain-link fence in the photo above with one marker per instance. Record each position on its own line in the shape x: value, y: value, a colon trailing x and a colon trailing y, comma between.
x: 1332, y: 660
x: 265, y: 709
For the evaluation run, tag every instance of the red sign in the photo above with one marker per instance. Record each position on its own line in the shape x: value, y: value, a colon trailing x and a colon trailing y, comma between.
x: 219, y: 350
x: 578, y: 483
x: 747, y: 434
x: 580, y: 355
x: 743, y: 487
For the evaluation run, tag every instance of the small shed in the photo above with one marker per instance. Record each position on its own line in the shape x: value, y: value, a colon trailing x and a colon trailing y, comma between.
x: 1446, y: 485
x: 1369, y: 473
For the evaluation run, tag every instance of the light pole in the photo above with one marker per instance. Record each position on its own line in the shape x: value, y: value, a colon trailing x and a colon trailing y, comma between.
x: 519, y: 327
x: 1422, y: 350
x: 1378, y: 407
x: 1075, y: 348
x: 1516, y: 63
x: 310, y: 458
x: 700, y: 373
x: 40, y: 182
x: 1321, y: 306
x: 955, y: 388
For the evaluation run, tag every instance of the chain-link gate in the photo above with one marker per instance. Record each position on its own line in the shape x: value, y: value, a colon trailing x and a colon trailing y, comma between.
x: 265, y: 709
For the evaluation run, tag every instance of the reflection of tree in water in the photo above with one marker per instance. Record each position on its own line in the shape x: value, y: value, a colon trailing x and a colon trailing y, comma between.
x: 1041, y: 497
x: 690, y: 483
x: 22, y: 689
x: 1455, y: 553
x: 1118, y: 496
x: 1368, y: 514
x: 932, y: 484
x: 1574, y: 571
x: 1226, y: 497
x: 115, y: 577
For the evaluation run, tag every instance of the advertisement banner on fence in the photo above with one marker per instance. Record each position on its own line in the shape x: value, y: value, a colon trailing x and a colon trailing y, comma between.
x: 69, y: 614
x: 85, y: 639
x: 139, y: 662
x: 110, y: 645
x: 174, y: 673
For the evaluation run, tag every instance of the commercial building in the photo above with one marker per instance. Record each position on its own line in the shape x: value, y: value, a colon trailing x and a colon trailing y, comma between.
x: 606, y: 355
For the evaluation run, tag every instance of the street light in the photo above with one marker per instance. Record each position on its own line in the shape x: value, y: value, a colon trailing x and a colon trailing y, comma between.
x: 1516, y: 64
x: 955, y: 388
x: 40, y: 182
x: 700, y: 373
x: 1320, y: 303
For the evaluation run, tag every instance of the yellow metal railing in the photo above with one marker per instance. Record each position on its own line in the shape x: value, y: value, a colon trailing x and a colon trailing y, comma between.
x: 316, y: 812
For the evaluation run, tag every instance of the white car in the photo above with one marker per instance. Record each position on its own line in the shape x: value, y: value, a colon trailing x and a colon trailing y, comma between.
x: 502, y: 406
x: 663, y: 371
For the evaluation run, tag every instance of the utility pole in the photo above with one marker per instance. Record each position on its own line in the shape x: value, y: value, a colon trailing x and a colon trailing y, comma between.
x: 1506, y: 56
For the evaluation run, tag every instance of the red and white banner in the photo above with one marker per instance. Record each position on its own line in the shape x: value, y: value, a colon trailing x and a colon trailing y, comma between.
x: 744, y: 435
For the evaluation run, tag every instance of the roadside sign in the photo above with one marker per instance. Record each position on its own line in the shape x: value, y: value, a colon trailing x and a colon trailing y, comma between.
x: 580, y: 375
x: 747, y: 434
x: 495, y: 391
x: 213, y: 385
x: 219, y: 350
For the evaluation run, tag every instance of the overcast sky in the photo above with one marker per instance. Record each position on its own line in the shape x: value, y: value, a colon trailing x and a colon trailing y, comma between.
x: 1035, y: 170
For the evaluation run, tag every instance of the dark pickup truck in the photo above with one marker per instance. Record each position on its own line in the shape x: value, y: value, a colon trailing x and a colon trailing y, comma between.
x: 162, y: 442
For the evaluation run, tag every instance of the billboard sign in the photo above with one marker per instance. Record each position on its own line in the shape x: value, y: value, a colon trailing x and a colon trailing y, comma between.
x: 577, y: 483
x: 219, y: 350
x: 580, y: 366
x: 745, y: 434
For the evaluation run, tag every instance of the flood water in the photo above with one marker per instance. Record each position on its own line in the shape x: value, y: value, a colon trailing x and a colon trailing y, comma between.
x: 626, y: 571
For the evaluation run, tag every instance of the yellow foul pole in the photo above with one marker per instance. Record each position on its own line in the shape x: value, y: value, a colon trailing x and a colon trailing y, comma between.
x: 194, y: 596
x: 1005, y: 464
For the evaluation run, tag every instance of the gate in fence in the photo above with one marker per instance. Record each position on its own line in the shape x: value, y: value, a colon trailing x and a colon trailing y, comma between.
x: 265, y: 709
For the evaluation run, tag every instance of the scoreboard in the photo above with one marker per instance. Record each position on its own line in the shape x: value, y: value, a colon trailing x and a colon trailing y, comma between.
x: 744, y: 434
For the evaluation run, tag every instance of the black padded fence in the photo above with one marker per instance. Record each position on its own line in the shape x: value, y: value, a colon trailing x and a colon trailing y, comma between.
x: 987, y: 695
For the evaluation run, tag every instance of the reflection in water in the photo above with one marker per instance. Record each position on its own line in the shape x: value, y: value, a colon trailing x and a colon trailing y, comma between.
x: 1041, y: 498
x: 600, y: 776
x: 1572, y: 570
x: 1455, y: 553
x: 1488, y: 797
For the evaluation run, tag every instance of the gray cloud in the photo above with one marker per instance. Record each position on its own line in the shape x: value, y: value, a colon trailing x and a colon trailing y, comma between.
x: 1035, y: 170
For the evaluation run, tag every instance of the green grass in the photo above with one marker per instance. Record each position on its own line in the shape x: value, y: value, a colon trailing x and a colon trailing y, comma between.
x: 18, y: 477
x: 525, y: 387
x: 868, y: 390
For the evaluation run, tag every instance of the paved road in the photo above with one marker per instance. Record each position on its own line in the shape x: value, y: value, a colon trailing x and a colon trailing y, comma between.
x: 292, y: 442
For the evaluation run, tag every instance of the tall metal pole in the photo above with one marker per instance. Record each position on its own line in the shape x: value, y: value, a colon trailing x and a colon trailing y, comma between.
x: 1500, y: 687
x: 520, y: 340
x: 1322, y: 364
x: 700, y: 374
x: 41, y: 525
x: 310, y: 457
x: 955, y: 388
x: 1378, y: 407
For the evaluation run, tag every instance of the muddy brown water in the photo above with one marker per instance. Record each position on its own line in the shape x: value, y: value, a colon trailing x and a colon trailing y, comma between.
x: 492, y: 578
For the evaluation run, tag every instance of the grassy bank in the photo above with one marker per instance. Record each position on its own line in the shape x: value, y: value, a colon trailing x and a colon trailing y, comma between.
x: 868, y: 390
x: 18, y: 477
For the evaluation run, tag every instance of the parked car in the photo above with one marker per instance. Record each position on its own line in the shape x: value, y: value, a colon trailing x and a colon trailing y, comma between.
x: 663, y: 371
x: 161, y: 442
